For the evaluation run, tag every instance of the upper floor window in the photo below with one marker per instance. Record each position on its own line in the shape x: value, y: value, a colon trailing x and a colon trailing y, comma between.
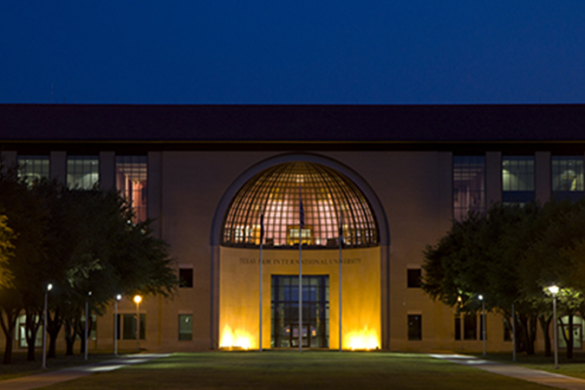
x: 82, y: 172
x: 131, y: 181
x: 33, y: 168
x: 468, y: 185
x: 517, y: 179
x: 567, y: 177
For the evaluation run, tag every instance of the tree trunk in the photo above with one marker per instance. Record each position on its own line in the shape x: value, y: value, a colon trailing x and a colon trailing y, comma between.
x: 8, y: 327
x: 53, y: 327
x: 69, y: 337
x: 33, y: 323
x: 545, y: 325
x: 532, y: 327
x: 81, y: 333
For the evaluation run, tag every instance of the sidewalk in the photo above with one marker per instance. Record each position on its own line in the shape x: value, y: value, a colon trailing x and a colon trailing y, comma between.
x: 514, y: 371
x: 67, y: 374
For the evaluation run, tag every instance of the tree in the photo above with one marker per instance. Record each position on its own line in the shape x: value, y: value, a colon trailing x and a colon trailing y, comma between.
x: 80, y: 241
x: 26, y: 217
x: 480, y: 256
x: 7, y: 313
x: 511, y: 255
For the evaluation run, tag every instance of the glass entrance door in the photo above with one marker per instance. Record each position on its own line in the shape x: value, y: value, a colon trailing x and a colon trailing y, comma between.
x: 285, y: 311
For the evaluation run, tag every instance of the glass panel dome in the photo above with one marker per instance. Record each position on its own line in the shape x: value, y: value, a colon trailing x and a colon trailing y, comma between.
x: 276, y: 193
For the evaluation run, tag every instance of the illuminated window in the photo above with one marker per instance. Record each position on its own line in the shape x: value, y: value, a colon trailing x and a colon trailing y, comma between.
x: 185, y: 327
x: 415, y: 327
x: 567, y: 177
x: 33, y: 168
x: 517, y: 179
x: 325, y: 195
x: 131, y: 181
x: 82, y: 172
x: 468, y: 185
x: 285, y: 311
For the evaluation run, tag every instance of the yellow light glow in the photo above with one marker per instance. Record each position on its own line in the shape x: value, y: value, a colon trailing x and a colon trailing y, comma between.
x: 137, y: 299
x: 235, y: 338
x: 362, y: 339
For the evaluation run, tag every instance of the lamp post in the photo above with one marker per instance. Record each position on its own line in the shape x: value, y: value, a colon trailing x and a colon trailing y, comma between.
x: 49, y: 288
x: 482, y: 322
x: 137, y: 300
x: 554, y: 290
x: 86, y: 333
x: 118, y: 297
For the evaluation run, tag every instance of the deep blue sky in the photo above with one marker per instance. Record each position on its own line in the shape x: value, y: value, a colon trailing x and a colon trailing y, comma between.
x: 247, y: 51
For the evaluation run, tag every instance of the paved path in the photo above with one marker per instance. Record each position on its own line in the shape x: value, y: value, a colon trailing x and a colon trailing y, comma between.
x: 67, y: 374
x: 514, y: 371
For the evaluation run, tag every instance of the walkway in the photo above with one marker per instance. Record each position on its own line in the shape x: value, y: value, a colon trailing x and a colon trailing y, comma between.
x: 67, y: 374
x: 514, y: 371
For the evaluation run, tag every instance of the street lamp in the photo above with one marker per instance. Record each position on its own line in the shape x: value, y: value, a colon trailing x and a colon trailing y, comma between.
x: 554, y: 290
x: 49, y: 288
x: 86, y: 323
x: 118, y: 297
x: 137, y: 300
x: 482, y: 321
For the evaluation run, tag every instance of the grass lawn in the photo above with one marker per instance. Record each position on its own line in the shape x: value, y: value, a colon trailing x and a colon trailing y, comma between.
x: 291, y: 370
x: 571, y: 367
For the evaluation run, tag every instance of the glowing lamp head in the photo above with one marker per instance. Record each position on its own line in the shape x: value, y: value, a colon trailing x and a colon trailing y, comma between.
x: 118, y: 297
x: 553, y: 289
x: 137, y: 299
x: 49, y: 287
x: 481, y: 297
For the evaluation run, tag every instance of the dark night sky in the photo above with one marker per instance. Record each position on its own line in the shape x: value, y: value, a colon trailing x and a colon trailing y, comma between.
x: 247, y: 51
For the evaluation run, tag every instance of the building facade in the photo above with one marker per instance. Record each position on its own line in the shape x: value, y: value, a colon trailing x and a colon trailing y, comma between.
x: 225, y: 185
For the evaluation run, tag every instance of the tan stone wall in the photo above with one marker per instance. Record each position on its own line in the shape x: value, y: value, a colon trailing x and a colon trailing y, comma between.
x: 414, y: 189
x: 239, y: 293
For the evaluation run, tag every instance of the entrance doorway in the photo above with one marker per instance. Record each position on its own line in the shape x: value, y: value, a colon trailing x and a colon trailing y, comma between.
x: 286, y: 330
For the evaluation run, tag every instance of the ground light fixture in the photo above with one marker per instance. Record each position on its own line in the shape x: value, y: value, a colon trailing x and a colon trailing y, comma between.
x: 483, y: 322
x: 554, y: 290
x: 116, y: 330
x: 49, y: 288
x: 137, y: 300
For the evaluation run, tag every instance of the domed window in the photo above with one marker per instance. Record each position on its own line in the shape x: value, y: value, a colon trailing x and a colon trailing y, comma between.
x: 328, y: 197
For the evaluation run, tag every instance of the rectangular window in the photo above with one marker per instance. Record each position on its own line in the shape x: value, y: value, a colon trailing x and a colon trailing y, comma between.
x: 517, y: 179
x: 33, y: 168
x: 129, y: 326
x: 414, y: 278
x: 82, y: 172
x: 415, y: 327
x: 567, y: 177
x: 507, y: 331
x: 457, y: 327
x: 132, y: 182
x: 185, y: 277
x: 468, y: 185
x: 185, y: 327
x: 470, y: 327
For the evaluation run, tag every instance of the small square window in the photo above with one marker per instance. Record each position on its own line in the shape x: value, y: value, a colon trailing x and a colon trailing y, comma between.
x: 185, y: 277
x: 414, y: 278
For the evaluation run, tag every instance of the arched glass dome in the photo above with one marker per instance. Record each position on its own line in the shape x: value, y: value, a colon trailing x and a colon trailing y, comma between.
x: 276, y: 193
